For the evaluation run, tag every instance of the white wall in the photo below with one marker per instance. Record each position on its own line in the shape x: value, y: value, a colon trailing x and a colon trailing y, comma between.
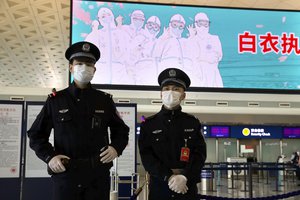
x: 268, y: 105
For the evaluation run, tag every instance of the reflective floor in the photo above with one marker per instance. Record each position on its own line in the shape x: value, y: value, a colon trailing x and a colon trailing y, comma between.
x: 260, y: 188
x: 223, y: 186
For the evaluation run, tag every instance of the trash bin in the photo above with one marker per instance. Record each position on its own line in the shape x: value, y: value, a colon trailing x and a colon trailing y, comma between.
x: 207, y: 180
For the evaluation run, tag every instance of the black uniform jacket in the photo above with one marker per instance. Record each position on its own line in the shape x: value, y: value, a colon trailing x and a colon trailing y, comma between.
x: 80, y: 119
x: 161, y: 138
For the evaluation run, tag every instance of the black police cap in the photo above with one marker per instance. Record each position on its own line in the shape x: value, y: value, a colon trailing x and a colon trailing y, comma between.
x: 83, y: 49
x: 174, y: 76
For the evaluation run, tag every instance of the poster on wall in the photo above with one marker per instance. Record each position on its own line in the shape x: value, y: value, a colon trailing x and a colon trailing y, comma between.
x: 34, y: 167
x: 11, y: 116
x: 228, y: 48
x: 125, y: 165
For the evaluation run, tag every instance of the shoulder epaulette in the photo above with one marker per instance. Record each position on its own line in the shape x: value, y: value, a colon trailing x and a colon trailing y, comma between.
x: 150, y: 117
x: 192, y: 116
x: 110, y: 95
x: 56, y: 93
x: 53, y: 94
x: 106, y: 94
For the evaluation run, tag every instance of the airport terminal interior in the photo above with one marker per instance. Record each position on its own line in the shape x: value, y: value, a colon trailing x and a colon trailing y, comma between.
x: 251, y: 131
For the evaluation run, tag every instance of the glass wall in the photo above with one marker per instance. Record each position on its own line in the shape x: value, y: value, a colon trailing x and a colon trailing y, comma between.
x: 289, y: 146
x: 211, y: 150
x: 227, y: 147
x: 270, y: 150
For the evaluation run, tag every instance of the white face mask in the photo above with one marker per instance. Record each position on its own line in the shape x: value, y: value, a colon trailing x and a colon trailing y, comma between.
x: 83, y: 73
x: 171, y: 98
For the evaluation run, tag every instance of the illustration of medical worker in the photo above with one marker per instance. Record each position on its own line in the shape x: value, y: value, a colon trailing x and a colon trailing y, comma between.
x: 209, y: 52
x: 93, y: 35
x: 173, y: 49
x: 112, y: 43
x: 136, y: 34
x: 137, y: 20
x: 146, y: 62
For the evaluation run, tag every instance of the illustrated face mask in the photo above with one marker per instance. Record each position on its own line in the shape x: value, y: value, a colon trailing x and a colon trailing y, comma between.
x: 202, y: 30
x: 138, y: 23
x: 171, y: 98
x: 177, y: 32
x: 153, y: 28
x: 108, y: 19
x: 152, y: 31
x: 83, y: 73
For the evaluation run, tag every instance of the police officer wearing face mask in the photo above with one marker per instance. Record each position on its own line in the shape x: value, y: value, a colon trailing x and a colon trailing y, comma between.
x: 82, y: 154
x: 172, y: 148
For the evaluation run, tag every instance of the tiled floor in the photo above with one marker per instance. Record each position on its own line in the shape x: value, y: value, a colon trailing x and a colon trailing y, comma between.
x: 261, y: 187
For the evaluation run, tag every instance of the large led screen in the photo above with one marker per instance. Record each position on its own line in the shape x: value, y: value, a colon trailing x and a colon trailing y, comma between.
x: 223, y: 48
x: 291, y: 132
x: 219, y: 131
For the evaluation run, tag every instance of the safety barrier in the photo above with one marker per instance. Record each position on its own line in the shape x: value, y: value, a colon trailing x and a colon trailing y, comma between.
x: 279, y: 171
x: 134, y: 182
x: 274, y: 197
x: 114, y: 186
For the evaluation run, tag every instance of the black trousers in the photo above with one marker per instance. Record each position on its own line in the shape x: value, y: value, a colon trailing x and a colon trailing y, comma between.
x: 82, y: 184
x: 298, y: 172
x: 159, y: 190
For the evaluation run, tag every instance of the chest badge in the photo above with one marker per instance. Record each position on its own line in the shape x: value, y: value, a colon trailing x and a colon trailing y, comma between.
x: 63, y: 110
x: 99, y: 111
x: 188, y: 130
x: 156, y: 131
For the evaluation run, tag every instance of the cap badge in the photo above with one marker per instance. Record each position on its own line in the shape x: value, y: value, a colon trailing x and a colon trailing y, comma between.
x: 172, y: 73
x: 86, y: 47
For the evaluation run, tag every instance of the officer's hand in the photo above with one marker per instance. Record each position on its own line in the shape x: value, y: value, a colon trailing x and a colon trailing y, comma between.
x: 177, y: 183
x: 56, y: 165
x: 108, y: 155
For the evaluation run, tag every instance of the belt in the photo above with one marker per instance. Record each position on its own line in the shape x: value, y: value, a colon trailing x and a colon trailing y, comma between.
x: 91, y: 162
x: 177, y: 171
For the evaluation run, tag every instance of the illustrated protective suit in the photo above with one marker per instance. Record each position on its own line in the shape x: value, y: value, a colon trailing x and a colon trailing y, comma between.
x: 92, y: 36
x: 137, y: 20
x: 209, y: 54
x: 136, y: 37
x: 174, y: 50
x: 112, y: 66
x: 146, y: 63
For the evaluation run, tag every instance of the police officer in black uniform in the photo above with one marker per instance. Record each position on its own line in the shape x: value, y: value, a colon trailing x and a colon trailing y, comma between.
x: 172, y: 147
x: 80, y: 115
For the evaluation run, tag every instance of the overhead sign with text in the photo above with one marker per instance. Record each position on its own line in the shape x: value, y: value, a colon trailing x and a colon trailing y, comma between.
x: 263, y: 132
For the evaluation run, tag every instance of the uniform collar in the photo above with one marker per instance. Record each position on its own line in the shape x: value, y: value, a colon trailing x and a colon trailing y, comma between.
x: 75, y: 91
x: 170, y: 112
